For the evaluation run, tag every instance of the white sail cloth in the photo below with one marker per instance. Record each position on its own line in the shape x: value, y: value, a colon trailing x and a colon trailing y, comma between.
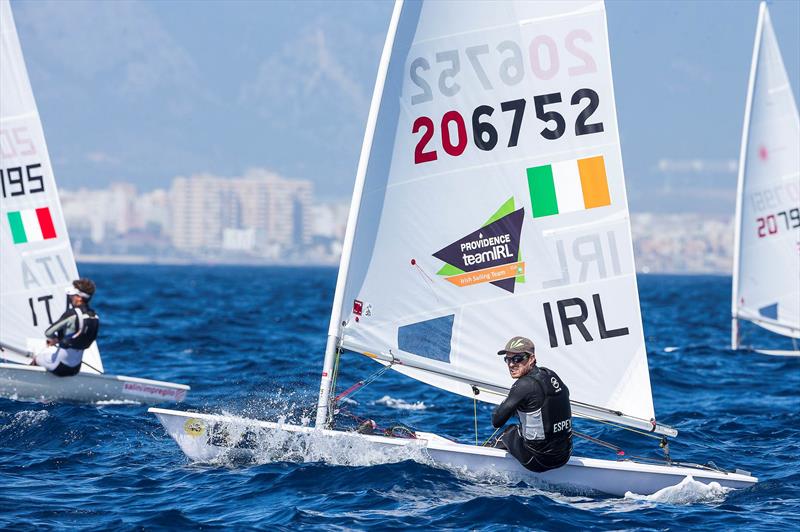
x: 36, y: 260
x: 494, y: 205
x: 767, y: 263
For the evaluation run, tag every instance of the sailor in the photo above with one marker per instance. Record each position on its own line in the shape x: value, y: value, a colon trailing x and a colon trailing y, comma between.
x: 73, y: 332
x: 543, y: 438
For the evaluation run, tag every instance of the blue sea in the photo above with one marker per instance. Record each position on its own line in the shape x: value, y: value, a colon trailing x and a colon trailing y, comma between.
x: 249, y: 340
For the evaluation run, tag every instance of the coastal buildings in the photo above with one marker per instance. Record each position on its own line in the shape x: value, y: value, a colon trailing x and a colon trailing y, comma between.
x: 260, y: 213
x: 261, y: 217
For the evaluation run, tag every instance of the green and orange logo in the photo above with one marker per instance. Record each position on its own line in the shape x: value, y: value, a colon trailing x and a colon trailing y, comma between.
x: 490, y: 254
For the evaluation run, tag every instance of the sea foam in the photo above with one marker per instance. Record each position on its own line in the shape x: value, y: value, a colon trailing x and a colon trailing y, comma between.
x: 687, y: 491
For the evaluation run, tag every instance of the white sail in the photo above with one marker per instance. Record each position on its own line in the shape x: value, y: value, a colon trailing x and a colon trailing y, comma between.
x: 36, y: 258
x: 766, y: 277
x: 491, y: 203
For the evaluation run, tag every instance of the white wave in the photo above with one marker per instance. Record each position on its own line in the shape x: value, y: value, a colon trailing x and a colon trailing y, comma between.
x: 400, y: 404
x: 688, y: 491
x: 237, y: 441
x: 670, y: 349
x: 24, y: 419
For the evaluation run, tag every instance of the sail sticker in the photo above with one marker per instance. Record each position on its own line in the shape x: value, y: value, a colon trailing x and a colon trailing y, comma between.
x: 148, y: 390
x: 429, y: 338
x: 568, y: 186
x: 572, y: 313
x: 358, y: 307
x: 194, y: 427
x: 31, y: 225
x: 490, y: 254
x: 770, y: 311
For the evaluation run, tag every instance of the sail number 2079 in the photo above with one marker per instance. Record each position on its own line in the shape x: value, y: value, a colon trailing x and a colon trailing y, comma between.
x: 549, y: 108
x: 771, y: 224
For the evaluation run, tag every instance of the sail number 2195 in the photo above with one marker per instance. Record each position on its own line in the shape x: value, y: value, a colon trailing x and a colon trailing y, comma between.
x: 17, y: 144
x: 485, y: 136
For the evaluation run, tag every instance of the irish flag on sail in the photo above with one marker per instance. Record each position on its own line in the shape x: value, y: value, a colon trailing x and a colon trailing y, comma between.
x: 31, y: 225
x: 568, y: 186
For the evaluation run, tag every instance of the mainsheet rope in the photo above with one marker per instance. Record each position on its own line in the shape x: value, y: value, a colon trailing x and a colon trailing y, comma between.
x: 475, y: 409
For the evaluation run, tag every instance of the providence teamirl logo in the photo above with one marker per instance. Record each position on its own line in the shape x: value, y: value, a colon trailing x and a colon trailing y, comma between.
x: 489, y: 255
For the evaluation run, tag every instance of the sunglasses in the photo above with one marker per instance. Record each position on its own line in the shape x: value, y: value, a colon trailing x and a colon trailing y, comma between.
x: 516, y: 359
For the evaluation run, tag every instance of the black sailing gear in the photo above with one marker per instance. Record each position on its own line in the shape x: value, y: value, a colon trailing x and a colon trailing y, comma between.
x: 543, y: 438
x: 76, y: 329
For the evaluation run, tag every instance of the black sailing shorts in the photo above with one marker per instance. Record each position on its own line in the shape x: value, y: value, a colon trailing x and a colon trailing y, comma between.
x: 530, y: 459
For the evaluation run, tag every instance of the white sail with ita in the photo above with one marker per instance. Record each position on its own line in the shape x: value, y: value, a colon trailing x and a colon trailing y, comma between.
x: 766, y: 265
x: 490, y: 202
x: 36, y: 258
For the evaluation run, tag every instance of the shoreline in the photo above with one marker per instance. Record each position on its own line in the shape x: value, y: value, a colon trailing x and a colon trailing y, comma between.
x: 145, y: 260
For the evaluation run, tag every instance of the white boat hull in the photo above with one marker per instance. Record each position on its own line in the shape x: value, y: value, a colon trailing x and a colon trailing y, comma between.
x: 31, y: 383
x: 207, y: 437
x: 778, y: 352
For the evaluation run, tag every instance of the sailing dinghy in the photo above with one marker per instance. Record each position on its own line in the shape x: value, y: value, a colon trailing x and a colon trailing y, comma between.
x: 36, y: 260
x: 489, y: 202
x: 766, y: 259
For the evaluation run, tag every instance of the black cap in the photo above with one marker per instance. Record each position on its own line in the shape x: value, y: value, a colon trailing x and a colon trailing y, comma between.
x: 517, y: 345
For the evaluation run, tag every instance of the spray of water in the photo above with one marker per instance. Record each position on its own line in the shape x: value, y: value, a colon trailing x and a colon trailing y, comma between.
x: 22, y: 420
x: 688, y: 491
x: 400, y: 404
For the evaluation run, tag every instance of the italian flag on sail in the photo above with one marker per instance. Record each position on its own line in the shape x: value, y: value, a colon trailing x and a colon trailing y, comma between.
x: 568, y: 186
x: 31, y: 225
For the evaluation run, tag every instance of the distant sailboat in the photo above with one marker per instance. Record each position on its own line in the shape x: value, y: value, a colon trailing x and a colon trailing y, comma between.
x: 766, y: 261
x: 489, y: 202
x: 36, y: 260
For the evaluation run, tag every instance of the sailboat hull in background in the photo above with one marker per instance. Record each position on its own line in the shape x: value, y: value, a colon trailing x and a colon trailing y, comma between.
x: 778, y: 352
x: 29, y: 383
x: 206, y: 437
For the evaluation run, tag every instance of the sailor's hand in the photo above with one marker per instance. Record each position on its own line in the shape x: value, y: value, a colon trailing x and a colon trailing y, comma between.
x: 52, y: 341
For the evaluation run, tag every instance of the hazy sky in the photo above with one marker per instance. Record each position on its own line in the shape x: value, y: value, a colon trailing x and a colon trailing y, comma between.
x: 144, y: 91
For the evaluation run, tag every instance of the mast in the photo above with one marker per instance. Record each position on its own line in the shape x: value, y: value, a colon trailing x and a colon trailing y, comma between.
x: 352, y: 219
x: 737, y: 239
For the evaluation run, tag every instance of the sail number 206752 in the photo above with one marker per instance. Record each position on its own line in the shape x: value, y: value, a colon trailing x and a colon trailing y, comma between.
x: 502, y: 65
x: 485, y: 136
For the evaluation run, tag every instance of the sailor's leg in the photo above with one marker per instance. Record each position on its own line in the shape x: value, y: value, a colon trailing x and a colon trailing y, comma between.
x: 48, y: 358
x: 498, y: 442
x: 513, y: 441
